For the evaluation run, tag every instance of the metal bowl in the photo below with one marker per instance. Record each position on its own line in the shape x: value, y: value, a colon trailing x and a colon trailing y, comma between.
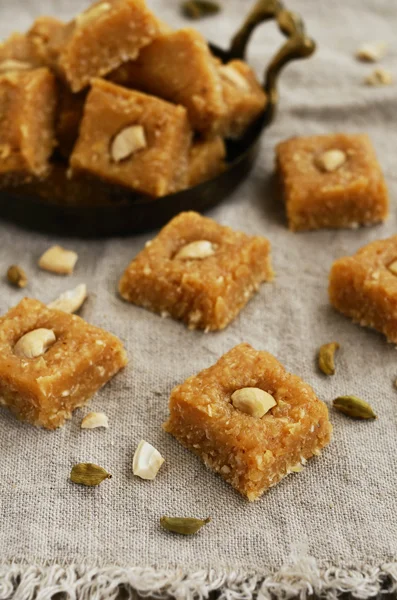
x: 104, y: 210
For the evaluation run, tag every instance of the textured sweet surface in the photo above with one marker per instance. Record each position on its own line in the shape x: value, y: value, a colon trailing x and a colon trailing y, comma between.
x: 45, y: 390
x: 206, y: 160
x: 343, y: 504
x: 27, y: 119
x: 18, y: 47
x: 102, y: 37
x: 157, y: 169
x: 179, y: 67
x: 40, y: 37
x: 69, y: 117
x: 251, y: 454
x: 353, y: 194
x: 243, y: 96
x: 205, y: 293
x: 364, y: 286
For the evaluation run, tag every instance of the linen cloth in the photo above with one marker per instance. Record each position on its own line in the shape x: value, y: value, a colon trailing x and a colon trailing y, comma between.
x: 344, y: 504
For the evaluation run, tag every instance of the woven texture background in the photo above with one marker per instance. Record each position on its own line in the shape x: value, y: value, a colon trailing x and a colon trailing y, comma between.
x: 344, y: 503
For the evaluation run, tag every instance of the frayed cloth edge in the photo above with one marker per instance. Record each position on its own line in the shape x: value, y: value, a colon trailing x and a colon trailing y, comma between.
x: 299, y: 578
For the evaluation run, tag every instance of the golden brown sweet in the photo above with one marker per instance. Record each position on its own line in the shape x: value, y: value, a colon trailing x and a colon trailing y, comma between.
x: 197, y: 271
x: 45, y: 376
x: 17, y: 53
x: 69, y: 116
x: 364, y: 286
x: 41, y: 37
x: 21, y: 52
x: 134, y: 140
x: 244, y: 98
x: 331, y: 181
x: 107, y: 34
x: 206, y: 160
x: 249, y: 452
x: 27, y: 115
x: 179, y: 67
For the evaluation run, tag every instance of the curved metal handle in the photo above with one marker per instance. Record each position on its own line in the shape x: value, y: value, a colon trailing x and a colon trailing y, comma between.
x: 298, y: 45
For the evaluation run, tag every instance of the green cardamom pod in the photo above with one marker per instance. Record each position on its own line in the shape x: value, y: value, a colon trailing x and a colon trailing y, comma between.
x: 197, y: 9
x: 184, y: 526
x: 88, y: 474
x: 17, y: 276
x: 354, y: 407
x: 326, y: 358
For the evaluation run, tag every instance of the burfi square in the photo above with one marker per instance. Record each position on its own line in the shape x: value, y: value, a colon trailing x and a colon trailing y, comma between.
x: 244, y: 98
x: 179, y: 67
x: 250, y: 453
x: 364, y: 286
x: 17, y: 54
x: 27, y: 119
x: 197, y: 271
x: 41, y: 37
x: 206, y: 160
x: 331, y: 181
x: 103, y: 37
x: 154, y: 160
x: 46, y: 389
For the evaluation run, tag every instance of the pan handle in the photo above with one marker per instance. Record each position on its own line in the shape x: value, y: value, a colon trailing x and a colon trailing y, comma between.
x: 298, y: 45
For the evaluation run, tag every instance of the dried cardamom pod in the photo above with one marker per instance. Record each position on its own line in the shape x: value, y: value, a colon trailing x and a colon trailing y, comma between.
x: 354, y: 407
x: 17, y: 276
x: 326, y: 358
x: 197, y: 9
x: 184, y: 526
x: 88, y: 474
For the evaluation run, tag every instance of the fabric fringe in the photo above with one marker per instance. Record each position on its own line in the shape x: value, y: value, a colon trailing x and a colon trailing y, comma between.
x: 300, y: 578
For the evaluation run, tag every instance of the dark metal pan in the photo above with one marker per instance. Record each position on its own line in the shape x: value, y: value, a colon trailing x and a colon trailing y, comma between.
x: 104, y: 210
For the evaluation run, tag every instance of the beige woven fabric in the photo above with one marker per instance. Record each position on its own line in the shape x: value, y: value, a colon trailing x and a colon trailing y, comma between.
x: 344, y: 504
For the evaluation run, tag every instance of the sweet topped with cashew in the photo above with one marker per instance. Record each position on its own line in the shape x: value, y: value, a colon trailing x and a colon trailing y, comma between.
x: 331, y: 181
x: 102, y: 37
x: 125, y: 133
x: 52, y: 362
x: 249, y: 420
x: 197, y: 271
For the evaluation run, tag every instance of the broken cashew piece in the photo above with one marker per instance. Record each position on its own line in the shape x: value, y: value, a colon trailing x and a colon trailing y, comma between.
x: 331, y: 160
x: 92, y: 13
x: 58, y: 260
x: 147, y: 461
x: 379, y: 77
x: 71, y: 300
x: 234, y: 77
x: 128, y: 141
x: 196, y: 250
x: 94, y: 419
x: 35, y: 343
x: 14, y: 65
x: 372, y: 51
